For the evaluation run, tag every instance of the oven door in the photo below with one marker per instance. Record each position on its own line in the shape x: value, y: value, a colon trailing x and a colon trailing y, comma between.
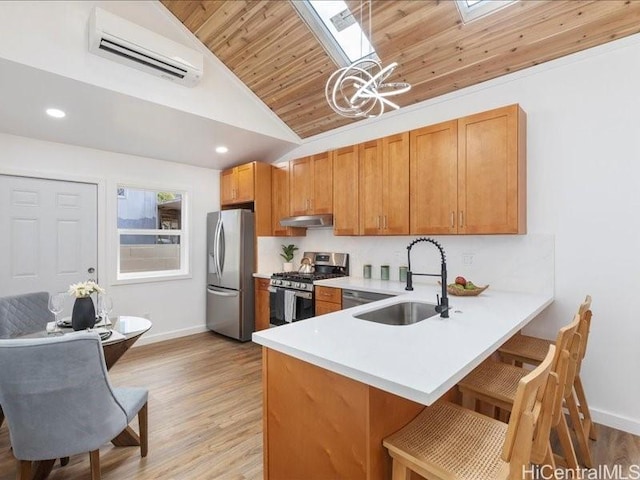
x: 287, y: 305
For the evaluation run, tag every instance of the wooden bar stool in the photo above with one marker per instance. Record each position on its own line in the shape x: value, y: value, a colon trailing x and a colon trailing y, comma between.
x: 495, y: 383
x: 449, y: 441
x: 531, y: 350
x: 522, y: 348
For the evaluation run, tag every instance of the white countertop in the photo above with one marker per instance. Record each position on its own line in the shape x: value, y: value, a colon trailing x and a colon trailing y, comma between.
x: 420, y: 362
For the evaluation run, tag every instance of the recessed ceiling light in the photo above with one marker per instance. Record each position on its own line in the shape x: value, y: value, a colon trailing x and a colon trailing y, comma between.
x: 55, y: 113
x: 222, y: 149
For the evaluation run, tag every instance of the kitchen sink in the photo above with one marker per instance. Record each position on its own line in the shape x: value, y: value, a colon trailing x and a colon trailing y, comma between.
x: 403, y: 313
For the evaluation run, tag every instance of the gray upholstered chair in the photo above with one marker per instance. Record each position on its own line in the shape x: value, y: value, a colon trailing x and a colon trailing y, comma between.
x: 22, y: 314
x: 59, y: 402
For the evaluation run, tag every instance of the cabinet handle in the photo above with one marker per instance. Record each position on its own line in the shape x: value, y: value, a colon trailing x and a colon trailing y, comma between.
x: 378, y: 222
x: 384, y: 222
x: 453, y: 219
x: 461, y: 219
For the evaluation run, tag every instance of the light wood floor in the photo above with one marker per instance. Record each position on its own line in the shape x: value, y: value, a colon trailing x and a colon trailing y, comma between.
x: 205, y: 417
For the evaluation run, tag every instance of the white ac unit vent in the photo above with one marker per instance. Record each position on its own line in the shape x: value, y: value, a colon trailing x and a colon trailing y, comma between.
x: 124, y: 42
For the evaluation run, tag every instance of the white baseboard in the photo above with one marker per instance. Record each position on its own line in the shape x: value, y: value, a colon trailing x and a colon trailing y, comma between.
x: 149, y: 338
x: 626, y: 424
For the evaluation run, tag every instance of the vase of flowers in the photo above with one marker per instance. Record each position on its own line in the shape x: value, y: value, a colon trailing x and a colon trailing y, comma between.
x: 83, y: 315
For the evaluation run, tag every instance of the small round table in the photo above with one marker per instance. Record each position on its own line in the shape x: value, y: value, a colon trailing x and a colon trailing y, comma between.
x: 132, y: 328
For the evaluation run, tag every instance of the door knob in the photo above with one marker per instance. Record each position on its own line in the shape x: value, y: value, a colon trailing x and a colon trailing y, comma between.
x: 91, y: 270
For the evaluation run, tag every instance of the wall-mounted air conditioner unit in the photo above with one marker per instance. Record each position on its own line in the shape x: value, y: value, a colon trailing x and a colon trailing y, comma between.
x: 124, y: 42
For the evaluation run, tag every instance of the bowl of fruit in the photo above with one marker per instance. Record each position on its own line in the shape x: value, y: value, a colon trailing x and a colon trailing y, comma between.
x: 465, y: 288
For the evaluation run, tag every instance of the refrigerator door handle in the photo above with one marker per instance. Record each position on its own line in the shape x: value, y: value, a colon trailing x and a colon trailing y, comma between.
x: 216, y: 247
x: 222, y: 248
x: 221, y: 293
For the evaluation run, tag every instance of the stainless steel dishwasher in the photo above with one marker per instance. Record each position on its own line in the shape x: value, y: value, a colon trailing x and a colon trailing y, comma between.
x: 354, y: 298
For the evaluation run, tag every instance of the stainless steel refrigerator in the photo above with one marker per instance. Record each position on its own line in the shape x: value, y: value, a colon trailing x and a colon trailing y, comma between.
x: 230, y: 260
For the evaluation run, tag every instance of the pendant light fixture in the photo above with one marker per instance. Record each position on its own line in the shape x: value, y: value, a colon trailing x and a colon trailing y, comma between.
x: 359, y: 90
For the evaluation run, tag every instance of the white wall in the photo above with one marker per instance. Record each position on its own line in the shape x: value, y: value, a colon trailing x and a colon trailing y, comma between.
x: 583, y: 169
x: 176, y: 307
x: 516, y: 263
x: 53, y: 36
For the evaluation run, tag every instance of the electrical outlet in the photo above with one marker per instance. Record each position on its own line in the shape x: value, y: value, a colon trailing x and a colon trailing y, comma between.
x: 467, y: 258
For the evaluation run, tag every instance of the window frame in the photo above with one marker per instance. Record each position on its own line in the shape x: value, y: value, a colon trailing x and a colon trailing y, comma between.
x: 480, y: 9
x: 184, y: 272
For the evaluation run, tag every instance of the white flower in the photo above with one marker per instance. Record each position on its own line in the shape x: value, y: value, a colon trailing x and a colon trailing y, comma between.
x: 84, y: 289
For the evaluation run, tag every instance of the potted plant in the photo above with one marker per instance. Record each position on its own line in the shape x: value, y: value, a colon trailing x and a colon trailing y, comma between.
x: 287, y: 253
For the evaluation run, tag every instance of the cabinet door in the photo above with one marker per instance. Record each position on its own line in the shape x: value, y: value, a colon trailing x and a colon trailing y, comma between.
x: 492, y: 172
x: 370, y: 184
x: 434, y: 179
x: 280, y: 202
x: 345, y: 191
x: 228, y: 181
x: 322, y: 199
x: 329, y: 294
x: 301, y: 186
x: 395, y: 187
x: 245, y: 188
x: 323, y: 308
x: 262, y: 303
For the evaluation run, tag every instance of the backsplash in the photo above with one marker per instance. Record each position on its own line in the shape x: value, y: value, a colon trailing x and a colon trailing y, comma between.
x: 522, y: 263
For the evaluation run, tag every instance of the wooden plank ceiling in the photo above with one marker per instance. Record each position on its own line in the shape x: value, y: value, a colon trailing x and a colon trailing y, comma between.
x: 272, y: 50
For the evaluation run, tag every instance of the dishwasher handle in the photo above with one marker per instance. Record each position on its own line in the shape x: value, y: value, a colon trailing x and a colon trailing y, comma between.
x: 353, y: 298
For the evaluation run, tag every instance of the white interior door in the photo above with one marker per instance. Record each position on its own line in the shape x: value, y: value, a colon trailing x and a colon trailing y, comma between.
x: 48, y: 234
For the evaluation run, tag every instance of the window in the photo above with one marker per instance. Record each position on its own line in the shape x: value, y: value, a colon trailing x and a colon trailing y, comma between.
x: 152, y: 234
x: 337, y: 28
x: 473, y: 9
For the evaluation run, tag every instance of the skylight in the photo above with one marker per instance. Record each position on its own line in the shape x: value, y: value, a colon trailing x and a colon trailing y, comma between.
x: 473, y: 9
x: 337, y: 29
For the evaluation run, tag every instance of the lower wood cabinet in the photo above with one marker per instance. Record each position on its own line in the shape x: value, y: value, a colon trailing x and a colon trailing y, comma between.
x: 328, y: 300
x: 320, y: 425
x: 262, y: 303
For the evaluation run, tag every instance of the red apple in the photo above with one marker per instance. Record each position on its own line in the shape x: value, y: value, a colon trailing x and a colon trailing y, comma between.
x: 461, y: 281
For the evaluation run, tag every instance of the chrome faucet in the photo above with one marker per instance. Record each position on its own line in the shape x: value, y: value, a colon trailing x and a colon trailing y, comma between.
x: 443, y: 303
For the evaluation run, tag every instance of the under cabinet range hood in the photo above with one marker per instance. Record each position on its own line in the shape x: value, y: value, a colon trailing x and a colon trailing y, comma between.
x: 308, y: 221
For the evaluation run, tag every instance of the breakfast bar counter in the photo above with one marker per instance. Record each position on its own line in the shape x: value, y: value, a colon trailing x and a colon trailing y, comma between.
x: 335, y: 385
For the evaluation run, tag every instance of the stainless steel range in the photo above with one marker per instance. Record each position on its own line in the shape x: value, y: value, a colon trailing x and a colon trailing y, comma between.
x: 292, y: 293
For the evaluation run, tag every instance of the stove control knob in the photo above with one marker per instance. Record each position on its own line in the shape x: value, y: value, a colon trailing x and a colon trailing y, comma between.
x: 286, y: 283
x: 298, y: 285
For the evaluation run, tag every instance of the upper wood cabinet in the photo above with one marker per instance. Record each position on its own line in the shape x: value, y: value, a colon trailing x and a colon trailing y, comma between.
x: 434, y: 179
x: 237, y: 184
x: 492, y: 172
x: 280, y: 202
x: 384, y: 186
x: 468, y: 176
x: 311, y: 180
x: 250, y: 185
x: 345, y: 191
